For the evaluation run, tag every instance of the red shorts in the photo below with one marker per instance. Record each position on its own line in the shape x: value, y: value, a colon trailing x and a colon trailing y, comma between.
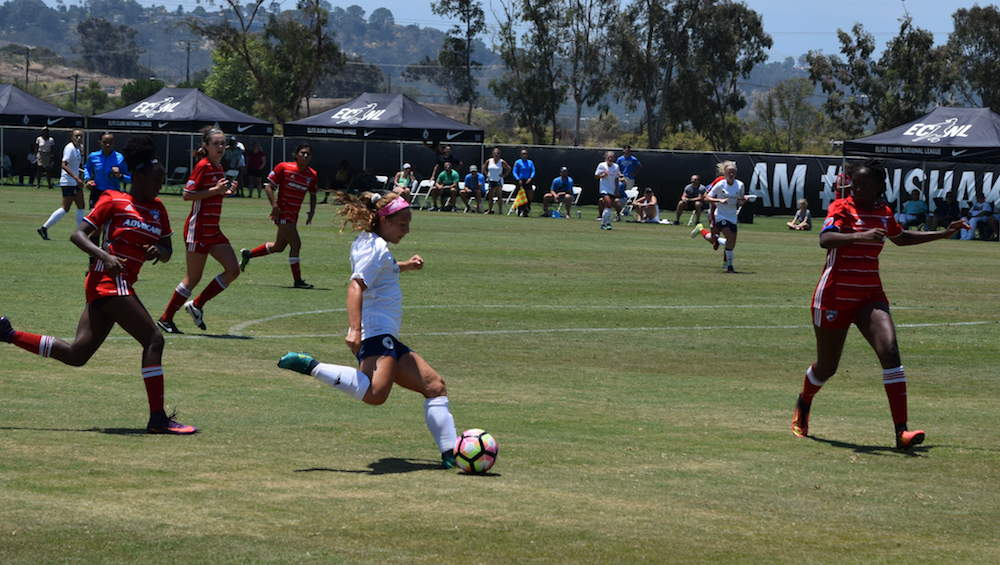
x: 202, y: 245
x: 287, y: 218
x: 837, y: 317
x: 101, y: 285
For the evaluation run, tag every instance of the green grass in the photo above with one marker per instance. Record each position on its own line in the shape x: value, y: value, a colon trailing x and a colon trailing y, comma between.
x: 641, y: 399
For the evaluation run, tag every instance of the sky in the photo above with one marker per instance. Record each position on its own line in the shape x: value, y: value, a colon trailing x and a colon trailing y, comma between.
x: 796, y: 26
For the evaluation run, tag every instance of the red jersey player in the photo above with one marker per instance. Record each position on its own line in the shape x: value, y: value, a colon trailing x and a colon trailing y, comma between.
x: 850, y: 291
x: 135, y: 229
x: 293, y: 181
x: 206, y: 188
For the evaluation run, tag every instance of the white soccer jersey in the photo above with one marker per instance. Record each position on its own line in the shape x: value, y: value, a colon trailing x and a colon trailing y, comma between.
x: 608, y: 184
x: 722, y: 189
x: 382, y: 302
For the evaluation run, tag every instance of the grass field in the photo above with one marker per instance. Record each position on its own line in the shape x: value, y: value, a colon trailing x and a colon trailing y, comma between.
x: 641, y: 398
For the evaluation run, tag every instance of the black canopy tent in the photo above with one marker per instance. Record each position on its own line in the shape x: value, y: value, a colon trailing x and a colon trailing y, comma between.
x: 384, y: 117
x: 181, y: 110
x: 22, y: 110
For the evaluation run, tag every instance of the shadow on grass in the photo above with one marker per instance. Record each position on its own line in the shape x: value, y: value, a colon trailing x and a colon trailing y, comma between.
x: 111, y: 431
x: 390, y: 466
x: 873, y: 449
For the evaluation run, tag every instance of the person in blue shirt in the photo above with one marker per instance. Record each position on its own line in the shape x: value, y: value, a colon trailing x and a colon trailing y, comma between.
x: 475, y: 186
x: 524, y: 176
x: 105, y: 169
x: 560, y: 191
x: 629, y: 166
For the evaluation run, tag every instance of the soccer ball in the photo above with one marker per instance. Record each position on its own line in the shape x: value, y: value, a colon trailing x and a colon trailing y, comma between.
x: 475, y: 451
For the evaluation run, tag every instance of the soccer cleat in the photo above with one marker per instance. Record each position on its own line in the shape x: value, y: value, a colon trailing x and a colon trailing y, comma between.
x: 196, y: 314
x: 302, y: 284
x: 160, y: 423
x: 44, y: 232
x: 719, y: 241
x: 907, y: 440
x: 697, y: 230
x: 168, y: 326
x: 730, y: 269
x: 6, y: 330
x: 299, y: 362
x: 448, y: 459
x: 800, y: 419
x: 605, y: 226
x: 245, y: 254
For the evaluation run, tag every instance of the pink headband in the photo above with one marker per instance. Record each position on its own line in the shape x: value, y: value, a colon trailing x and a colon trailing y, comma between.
x: 396, y: 205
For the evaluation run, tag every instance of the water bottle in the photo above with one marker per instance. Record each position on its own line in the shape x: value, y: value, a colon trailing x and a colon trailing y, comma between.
x: 579, y: 214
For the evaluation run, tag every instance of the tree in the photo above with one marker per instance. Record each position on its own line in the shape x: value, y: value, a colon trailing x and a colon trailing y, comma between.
x: 431, y: 70
x: 285, y: 60
x: 532, y: 86
x: 140, y: 89
x: 975, y: 50
x: 909, y: 77
x: 585, y: 54
x: 357, y: 77
x: 455, y: 56
x: 107, y: 48
x: 784, y: 118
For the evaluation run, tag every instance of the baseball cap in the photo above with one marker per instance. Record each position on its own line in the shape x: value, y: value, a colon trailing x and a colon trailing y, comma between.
x: 473, y: 169
x: 407, y: 166
x: 563, y: 170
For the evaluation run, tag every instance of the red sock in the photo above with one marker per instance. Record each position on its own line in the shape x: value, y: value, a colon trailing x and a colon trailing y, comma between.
x: 152, y: 377
x: 707, y: 234
x: 293, y: 262
x: 37, y: 344
x: 181, y: 294
x: 811, y: 386
x: 213, y: 289
x: 895, y: 389
x: 261, y: 250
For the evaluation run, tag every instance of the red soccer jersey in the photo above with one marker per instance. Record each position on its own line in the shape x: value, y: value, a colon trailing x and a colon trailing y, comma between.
x: 202, y: 224
x: 127, y: 227
x: 851, y: 275
x: 293, y: 184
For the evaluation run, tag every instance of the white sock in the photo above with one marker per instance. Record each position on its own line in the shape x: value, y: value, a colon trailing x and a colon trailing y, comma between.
x: 440, y: 423
x: 55, y: 217
x: 348, y: 380
x: 80, y: 215
x: 606, y: 216
x: 729, y: 257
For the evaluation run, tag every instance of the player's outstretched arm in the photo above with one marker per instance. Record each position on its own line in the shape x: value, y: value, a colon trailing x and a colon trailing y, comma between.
x: 908, y: 237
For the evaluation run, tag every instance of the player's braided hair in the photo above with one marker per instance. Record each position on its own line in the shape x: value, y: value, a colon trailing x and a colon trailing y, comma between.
x: 362, y: 211
x: 873, y: 167
x: 139, y: 150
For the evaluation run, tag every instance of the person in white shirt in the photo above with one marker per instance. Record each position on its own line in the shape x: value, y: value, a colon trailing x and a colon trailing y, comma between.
x: 374, y: 313
x: 496, y: 169
x: 607, y: 175
x: 727, y: 195
x: 44, y: 145
x: 71, y: 182
x: 981, y: 211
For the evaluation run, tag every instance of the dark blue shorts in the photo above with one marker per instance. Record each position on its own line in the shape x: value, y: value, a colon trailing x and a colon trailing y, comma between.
x: 69, y: 191
x: 382, y: 345
x: 726, y: 224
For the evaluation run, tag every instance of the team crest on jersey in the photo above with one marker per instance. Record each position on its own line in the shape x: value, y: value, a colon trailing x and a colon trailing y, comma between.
x: 155, y: 214
x: 388, y: 343
x: 831, y: 315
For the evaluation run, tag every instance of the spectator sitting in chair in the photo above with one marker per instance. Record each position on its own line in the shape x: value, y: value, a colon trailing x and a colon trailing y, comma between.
x: 646, y: 209
x: 946, y: 212
x: 803, y: 220
x: 560, y: 191
x: 475, y: 186
x: 404, y: 182
x: 340, y: 181
x: 445, y: 184
x: 693, y: 198
x: 367, y: 180
x: 980, y: 213
x: 914, y: 211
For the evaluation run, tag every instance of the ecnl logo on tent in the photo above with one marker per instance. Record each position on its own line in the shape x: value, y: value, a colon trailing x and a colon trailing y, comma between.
x: 939, y: 131
x: 354, y: 116
x: 150, y: 109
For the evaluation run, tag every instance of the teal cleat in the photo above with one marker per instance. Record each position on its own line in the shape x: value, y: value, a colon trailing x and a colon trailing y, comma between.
x: 298, y: 362
x: 448, y: 459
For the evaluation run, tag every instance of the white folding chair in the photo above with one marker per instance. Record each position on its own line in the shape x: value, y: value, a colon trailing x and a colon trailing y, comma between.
x: 420, y: 194
x: 508, y: 192
x: 383, y: 180
x: 577, y: 191
x: 178, y: 177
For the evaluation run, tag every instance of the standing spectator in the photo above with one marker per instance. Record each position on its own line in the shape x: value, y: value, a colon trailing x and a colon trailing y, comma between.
x: 293, y: 180
x: 105, y: 169
x: 914, y: 211
x: 234, y: 160
x: 445, y: 156
x: 475, y: 186
x: 607, y: 175
x: 693, y: 198
x: 629, y: 167
x: 497, y: 170
x: 524, y: 176
x: 446, y: 182
x: 404, y: 182
x: 850, y: 292
x: 560, y: 191
x: 206, y: 189
x: 803, y: 219
x: 980, y: 212
x: 946, y: 212
x: 71, y: 182
x: 44, y: 144
x: 256, y: 169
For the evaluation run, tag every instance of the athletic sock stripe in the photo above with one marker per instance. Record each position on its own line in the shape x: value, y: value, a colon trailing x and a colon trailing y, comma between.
x: 154, y: 371
x: 45, y: 346
x: 222, y: 282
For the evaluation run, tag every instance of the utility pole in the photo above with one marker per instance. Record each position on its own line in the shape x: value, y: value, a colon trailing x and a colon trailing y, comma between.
x: 27, y: 64
x: 187, y: 73
x: 76, y: 82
